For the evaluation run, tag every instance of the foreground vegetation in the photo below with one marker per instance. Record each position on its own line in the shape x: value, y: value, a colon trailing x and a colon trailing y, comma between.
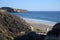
x: 12, y: 26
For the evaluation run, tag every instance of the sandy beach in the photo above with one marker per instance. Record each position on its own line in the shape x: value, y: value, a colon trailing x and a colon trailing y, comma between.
x: 45, y: 26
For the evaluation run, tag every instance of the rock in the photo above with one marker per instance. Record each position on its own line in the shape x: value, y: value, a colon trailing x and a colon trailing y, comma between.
x: 55, y: 30
x: 12, y: 26
x: 30, y: 36
x: 54, y: 34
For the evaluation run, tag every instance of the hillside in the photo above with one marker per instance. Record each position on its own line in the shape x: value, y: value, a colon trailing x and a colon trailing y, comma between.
x: 12, y: 26
x: 9, y: 9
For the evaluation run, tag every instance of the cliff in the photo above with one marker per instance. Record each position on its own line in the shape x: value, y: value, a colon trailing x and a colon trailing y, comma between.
x: 8, y: 9
x: 12, y: 26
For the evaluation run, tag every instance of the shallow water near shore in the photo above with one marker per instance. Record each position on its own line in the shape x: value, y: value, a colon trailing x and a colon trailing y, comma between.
x: 36, y: 21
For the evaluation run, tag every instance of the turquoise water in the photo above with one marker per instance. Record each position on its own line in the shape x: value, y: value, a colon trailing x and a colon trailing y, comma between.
x: 41, y: 15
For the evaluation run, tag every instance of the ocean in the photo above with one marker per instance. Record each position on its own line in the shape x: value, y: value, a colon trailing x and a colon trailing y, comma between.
x: 42, y: 16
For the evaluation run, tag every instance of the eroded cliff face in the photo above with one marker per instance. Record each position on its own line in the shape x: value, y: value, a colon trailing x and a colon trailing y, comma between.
x: 12, y: 26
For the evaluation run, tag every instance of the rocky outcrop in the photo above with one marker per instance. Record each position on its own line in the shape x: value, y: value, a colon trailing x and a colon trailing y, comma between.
x: 12, y: 26
x: 13, y: 9
x: 30, y: 36
x: 54, y: 34
x: 55, y: 30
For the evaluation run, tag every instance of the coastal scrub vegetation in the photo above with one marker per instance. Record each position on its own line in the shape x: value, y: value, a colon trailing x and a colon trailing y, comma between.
x: 12, y: 26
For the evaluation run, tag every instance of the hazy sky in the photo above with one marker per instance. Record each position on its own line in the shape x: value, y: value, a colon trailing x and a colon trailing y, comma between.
x: 32, y: 5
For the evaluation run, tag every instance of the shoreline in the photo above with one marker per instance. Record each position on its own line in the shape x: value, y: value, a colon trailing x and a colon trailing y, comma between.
x: 37, y: 21
x: 43, y: 25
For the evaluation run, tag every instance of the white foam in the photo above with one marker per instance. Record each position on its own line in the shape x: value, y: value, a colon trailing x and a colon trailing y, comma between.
x: 40, y: 21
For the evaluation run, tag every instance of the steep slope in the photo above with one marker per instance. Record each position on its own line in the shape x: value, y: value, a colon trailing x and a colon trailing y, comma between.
x: 12, y: 26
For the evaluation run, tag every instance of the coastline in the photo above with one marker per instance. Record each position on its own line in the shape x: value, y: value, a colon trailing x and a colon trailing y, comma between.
x: 37, y: 21
x: 44, y: 25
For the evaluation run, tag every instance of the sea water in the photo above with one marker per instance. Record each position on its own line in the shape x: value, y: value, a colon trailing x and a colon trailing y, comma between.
x: 41, y: 16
